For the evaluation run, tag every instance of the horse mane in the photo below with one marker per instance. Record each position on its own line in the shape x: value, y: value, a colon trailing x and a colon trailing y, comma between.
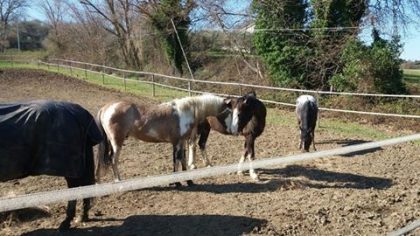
x: 200, y: 105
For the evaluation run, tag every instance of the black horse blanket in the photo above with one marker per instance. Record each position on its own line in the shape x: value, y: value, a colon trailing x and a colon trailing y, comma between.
x: 45, y: 137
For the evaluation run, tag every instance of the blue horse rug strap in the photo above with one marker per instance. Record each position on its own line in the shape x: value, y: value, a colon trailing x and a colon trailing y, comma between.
x: 45, y: 137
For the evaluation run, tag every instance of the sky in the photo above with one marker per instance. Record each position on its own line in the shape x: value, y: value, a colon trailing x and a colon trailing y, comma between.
x: 410, y: 39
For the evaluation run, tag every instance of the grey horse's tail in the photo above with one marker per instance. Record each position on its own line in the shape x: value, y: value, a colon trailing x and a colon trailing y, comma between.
x: 103, y: 157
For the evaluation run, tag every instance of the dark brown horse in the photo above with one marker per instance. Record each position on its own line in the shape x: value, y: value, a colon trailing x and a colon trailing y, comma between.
x: 171, y: 122
x: 247, y: 118
x: 307, y: 115
x: 51, y: 138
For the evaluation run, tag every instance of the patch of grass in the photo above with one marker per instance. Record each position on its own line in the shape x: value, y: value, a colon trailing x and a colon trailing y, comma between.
x: 23, y: 55
x: 345, y: 128
x: 412, y: 76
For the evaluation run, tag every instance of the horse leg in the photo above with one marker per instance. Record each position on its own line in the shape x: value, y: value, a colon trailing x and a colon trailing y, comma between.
x: 115, y: 157
x: 204, y: 135
x: 191, y: 151
x: 184, y: 168
x: 89, y: 179
x: 70, y: 213
x: 178, y: 153
x: 251, y: 156
x: 242, y: 159
x: 71, y: 206
x: 313, y: 139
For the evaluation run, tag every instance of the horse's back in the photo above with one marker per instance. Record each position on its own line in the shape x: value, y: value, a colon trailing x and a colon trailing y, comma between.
x: 307, y: 111
x: 45, y: 137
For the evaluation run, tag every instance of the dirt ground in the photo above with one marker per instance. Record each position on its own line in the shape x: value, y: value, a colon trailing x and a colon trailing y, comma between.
x: 370, y: 193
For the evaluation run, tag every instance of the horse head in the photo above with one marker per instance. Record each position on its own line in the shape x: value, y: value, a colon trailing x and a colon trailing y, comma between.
x: 244, y: 108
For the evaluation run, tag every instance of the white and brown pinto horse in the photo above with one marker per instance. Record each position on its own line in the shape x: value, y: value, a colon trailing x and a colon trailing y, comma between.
x: 247, y: 119
x: 170, y: 122
x: 307, y: 115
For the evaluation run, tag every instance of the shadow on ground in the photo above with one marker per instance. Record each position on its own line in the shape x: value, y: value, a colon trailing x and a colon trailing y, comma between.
x: 168, y: 225
x: 24, y: 215
x: 330, y: 179
x: 350, y: 142
x: 285, y: 178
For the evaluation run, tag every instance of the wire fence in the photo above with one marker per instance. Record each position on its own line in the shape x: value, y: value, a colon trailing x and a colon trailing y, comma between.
x: 189, y: 85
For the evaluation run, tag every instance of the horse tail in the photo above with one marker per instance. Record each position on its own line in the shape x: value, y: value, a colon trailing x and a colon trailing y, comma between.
x: 103, y: 157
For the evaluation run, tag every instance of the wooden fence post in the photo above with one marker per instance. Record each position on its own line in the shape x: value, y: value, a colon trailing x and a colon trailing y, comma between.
x: 189, y: 88
x: 85, y: 72
x: 103, y: 74
x: 153, y: 85
x: 125, y: 83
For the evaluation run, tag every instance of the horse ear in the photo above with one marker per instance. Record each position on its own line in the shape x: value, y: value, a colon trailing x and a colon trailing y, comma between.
x: 228, y: 101
x: 252, y: 93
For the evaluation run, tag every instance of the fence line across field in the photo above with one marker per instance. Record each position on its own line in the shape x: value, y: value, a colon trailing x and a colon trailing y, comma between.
x: 225, y: 83
x: 41, y: 198
x: 246, y: 85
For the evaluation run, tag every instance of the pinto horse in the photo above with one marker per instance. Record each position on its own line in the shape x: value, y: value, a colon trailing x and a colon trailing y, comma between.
x: 246, y: 119
x: 170, y: 122
x: 307, y: 115
x: 51, y: 138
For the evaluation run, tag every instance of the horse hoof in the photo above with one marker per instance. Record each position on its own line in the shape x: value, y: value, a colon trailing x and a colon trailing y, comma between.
x: 192, y: 167
x: 256, y: 178
x: 64, y: 226
x: 190, y: 183
x: 177, y: 184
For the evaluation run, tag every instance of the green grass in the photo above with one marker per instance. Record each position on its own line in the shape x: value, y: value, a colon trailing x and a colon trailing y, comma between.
x: 412, y: 76
x: 23, y: 55
x: 274, y: 117
x: 345, y: 128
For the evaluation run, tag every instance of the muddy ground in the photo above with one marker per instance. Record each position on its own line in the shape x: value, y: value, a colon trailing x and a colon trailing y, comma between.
x: 369, y: 193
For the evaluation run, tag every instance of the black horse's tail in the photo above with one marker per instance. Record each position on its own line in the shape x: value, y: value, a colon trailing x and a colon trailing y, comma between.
x: 103, y: 157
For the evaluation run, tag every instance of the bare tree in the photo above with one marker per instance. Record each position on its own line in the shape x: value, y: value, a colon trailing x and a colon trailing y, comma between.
x: 55, y: 11
x: 236, y: 25
x: 119, y: 16
x: 9, y: 9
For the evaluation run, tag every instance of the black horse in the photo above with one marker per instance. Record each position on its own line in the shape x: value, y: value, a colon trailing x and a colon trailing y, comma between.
x: 51, y: 138
x: 307, y: 115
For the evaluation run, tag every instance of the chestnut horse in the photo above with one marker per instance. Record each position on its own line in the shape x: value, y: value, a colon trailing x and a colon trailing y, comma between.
x: 170, y: 122
x: 307, y: 115
x: 246, y: 119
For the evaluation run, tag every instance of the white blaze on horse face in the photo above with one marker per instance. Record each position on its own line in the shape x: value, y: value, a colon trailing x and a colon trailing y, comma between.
x: 235, y: 121
x: 228, y: 123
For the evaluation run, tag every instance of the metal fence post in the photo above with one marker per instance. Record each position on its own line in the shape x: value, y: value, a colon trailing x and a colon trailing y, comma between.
x: 153, y: 85
x: 240, y: 90
x: 71, y: 69
x: 58, y: 66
